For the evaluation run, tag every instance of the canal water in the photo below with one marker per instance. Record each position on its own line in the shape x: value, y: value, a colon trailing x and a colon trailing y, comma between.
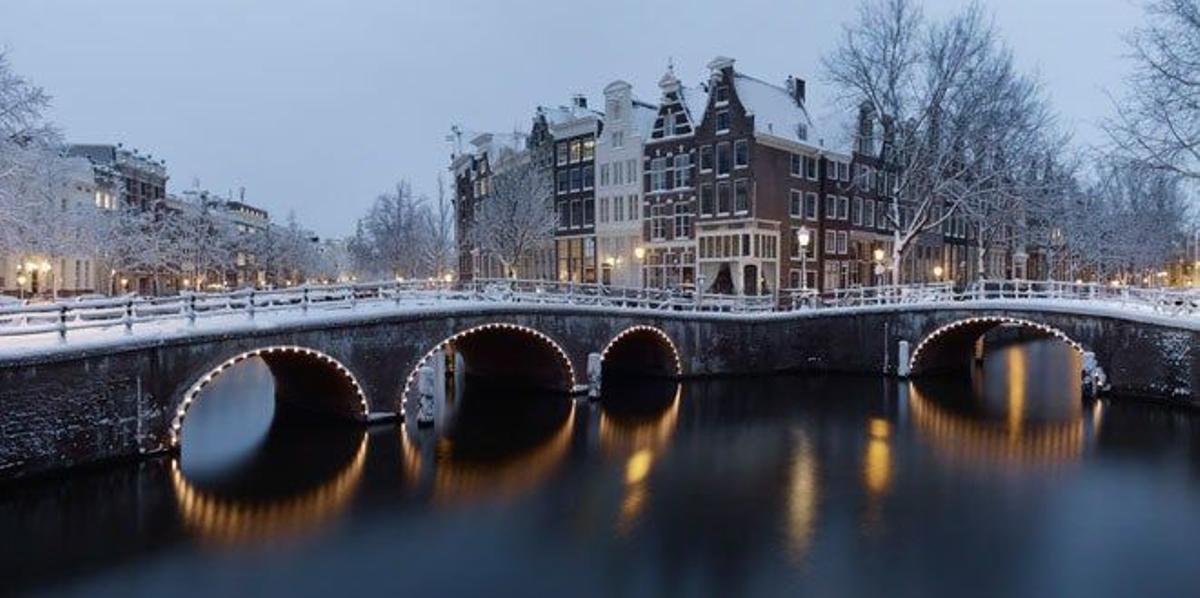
x: 1006, y: 483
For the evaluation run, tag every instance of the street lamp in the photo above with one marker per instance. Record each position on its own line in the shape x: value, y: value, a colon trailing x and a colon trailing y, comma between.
x: 640, y: 253
x: 21, y: 280
x: 879, y: 267
x: 937, y: 272
x: 803, y: 238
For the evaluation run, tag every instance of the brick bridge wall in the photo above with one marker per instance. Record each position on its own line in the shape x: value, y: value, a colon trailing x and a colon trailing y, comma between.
x: 70, y: 407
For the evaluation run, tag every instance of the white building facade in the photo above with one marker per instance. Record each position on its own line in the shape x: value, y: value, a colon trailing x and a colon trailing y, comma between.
x: 619, y: 223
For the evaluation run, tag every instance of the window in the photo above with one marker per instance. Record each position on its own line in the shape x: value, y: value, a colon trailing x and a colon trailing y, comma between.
x: 843, y: 208
x: 831, y: 170
x: 576, y: 213
x: 869, y: 213
x: 589, y: 149
x: 810, y: 168
x: 681, y: 124
x: 723, y: 203
x: 794, y: 279
x: 618, y: 208
x: 797, y: 165
x: 843, y: 169
x: 617, y: 173
x: 589, y: 177
x: 576, y: 179
x: 722, y: 121
x: 723, y: 158
x: 618, y: 137
x: 842, y: 242
x: 603, y: 216
x: 631, y: 172
x: 706, y: 158
x: 721, y: 93
x: 683, y: 221
x: 657, y: 225
x: 564, y: 184
x: 830, y: 207
x: 796, y: 204
x: 658, y: 174
x: 604, y: 175
x: 706, y: 200
x: 810, y: 205
x: 576, y: 150
x: 741, y: 196
x: 856, y: 211
x: 633, y: 207
x: 683, y: 170
x: 561, y: 151
x: 830, y: 242
x: 741, y: 153
x: 589, y: 212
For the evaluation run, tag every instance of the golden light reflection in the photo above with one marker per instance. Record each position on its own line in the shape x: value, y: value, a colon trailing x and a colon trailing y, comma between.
x: 963, y: 440
x: 457, y: 481
x: 877, y: 462
x: 803, y: 494
x: 1016, y: 392
x: 638, y: 466
x: 643, y: 440
x: 231, y: 521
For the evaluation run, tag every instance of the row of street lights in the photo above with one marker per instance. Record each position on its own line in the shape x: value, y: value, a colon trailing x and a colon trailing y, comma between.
x: 25, y: 273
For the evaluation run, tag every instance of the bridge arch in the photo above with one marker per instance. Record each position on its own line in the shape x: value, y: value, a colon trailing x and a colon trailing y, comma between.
x: 490, y: 338
x: 950, y: 346
x: 296, y: 370
x: 644, y: 350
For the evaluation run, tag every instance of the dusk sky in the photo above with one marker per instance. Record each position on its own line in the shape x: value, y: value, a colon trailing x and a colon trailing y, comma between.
x: 319, y: 106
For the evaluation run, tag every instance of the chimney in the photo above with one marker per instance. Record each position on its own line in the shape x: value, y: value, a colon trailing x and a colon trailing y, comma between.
x: 579, y: 100
x: 797, y: 88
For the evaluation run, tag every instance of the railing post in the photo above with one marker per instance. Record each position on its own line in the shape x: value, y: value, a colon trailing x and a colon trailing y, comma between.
x: 129, y: 316
x: 250, y: 304
x: 190, y: 310
x: 62, y: 324
x: 304, y: 301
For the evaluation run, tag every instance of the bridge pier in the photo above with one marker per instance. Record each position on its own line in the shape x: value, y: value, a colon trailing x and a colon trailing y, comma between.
x: 594, y: 365
x: 425, y: 391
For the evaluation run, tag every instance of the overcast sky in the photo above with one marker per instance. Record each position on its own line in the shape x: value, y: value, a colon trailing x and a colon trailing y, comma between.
x: 317, y: 106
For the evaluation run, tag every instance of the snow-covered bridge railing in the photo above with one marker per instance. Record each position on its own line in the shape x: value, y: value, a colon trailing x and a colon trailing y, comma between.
x: 127, y: 312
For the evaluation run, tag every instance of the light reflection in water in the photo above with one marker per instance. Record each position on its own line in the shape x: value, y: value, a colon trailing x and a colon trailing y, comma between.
x: 640, y: 438
x: 231, y: 520
x: 804, y: 490
x: 1024, y: 410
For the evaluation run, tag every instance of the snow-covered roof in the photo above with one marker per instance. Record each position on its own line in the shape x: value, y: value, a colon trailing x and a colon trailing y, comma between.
x: 495, y: 146
x: 776, y: 113
x: 695, y: 100
x: 559, y: 115
x: 644, y: 114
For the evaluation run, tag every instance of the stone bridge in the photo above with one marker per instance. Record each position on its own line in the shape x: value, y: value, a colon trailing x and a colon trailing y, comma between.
x: 82, y: 403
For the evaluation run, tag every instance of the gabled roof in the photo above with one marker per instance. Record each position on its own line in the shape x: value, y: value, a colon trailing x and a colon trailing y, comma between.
x: 776, y: 113
x: 695, y: 101
x: 559, y: 115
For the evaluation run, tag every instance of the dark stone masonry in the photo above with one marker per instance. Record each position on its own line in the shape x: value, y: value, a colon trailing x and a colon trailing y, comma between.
x: 72, y: 407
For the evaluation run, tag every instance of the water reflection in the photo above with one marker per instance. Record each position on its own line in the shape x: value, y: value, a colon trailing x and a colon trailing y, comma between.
x: 637, y: 420
x: 497, y: 444
x: 246, y: 476
x: 1021, y: 407
x: 739, y: 487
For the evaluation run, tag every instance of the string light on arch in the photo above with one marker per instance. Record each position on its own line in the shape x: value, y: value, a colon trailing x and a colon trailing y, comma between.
x: 190, y: 396
x: 412, y: 376
x: 996, y: 320
x: 651, y: 329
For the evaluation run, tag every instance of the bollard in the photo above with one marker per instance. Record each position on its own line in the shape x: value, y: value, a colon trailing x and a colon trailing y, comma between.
x: 62, y: 324
x: 425, y: 383
x: 191, y: 310
x: 250, y: 304
x: 902, y: 360
x: 128, y: 316
x: 593, y: 374
x: 305, y: 300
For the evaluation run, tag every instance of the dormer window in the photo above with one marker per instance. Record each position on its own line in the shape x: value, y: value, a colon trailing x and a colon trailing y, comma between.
x: 802, y: 131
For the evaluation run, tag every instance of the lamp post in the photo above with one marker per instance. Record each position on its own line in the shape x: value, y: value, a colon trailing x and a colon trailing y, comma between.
x: 937, y: 272
x: 879, y: 267
x: 803, y: 238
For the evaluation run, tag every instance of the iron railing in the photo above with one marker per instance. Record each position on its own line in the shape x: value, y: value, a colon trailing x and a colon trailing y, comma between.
x: 127, y: 312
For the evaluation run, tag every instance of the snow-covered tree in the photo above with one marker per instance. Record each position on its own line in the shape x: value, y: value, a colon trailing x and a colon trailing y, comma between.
x: 439, y: 227
x: 1158, y: 119
x: 516, y: 218
x: 392, y: 239
x: 943, y: 111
